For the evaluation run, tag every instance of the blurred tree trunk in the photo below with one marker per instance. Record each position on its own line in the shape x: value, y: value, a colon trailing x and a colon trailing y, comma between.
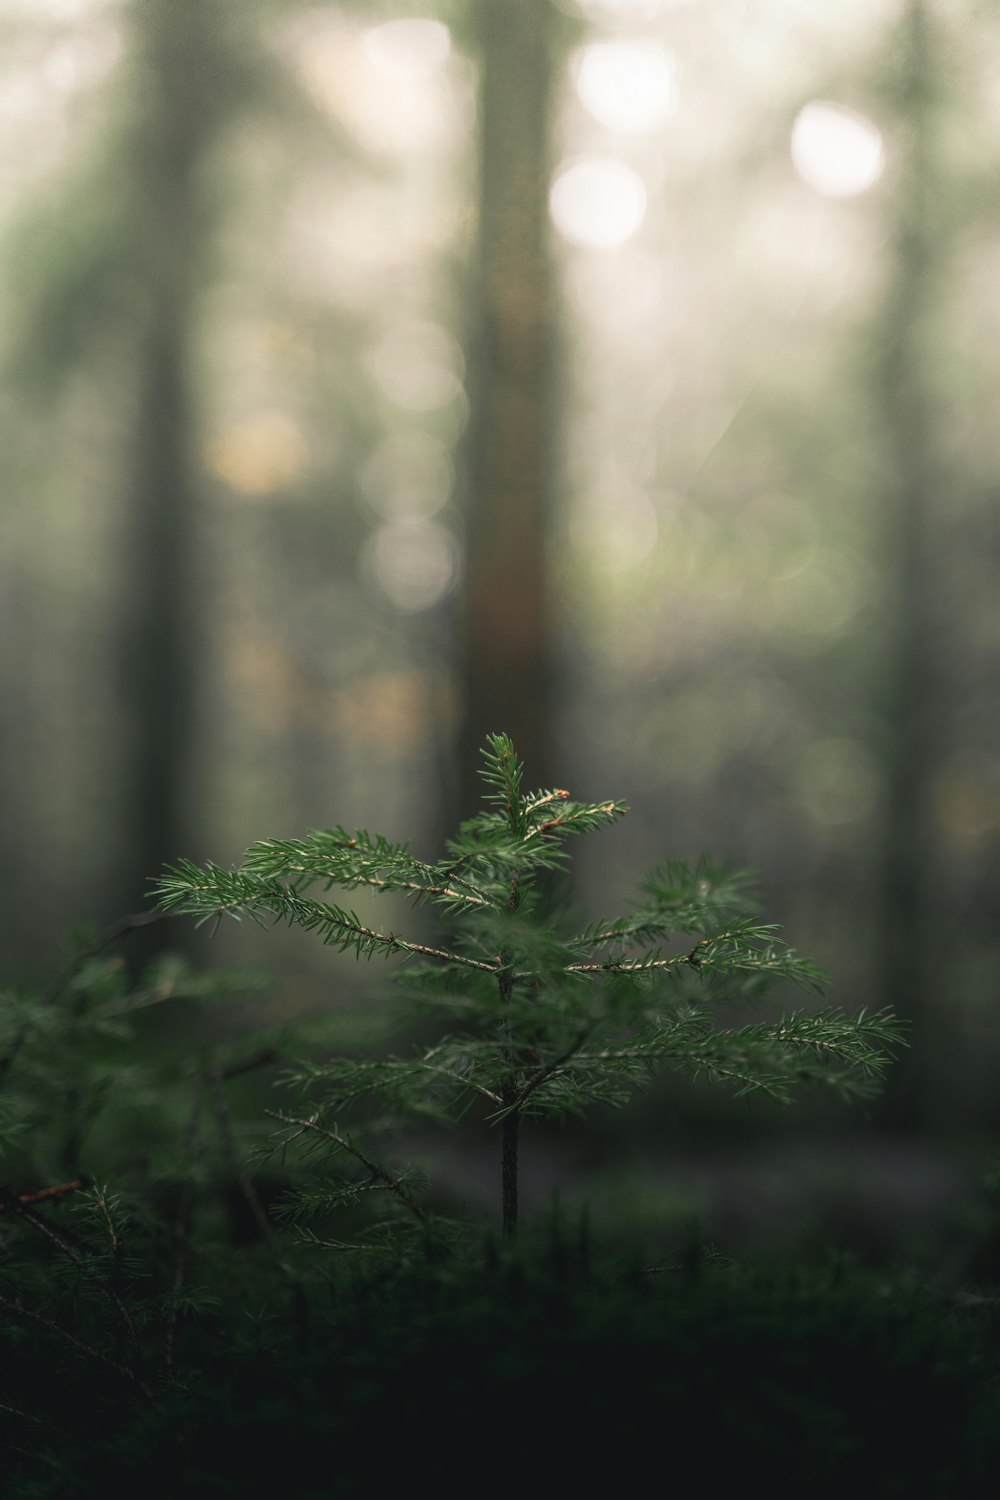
x: 184, y: 95
x: 507, y: 609
x: 905, y: 398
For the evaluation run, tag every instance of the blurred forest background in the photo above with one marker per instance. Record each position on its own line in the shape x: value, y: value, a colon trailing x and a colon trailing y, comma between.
x: 622, y: 374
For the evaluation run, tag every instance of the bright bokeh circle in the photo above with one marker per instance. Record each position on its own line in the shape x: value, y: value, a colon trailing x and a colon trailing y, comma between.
x: 597, y: 202
x: 836, y: 151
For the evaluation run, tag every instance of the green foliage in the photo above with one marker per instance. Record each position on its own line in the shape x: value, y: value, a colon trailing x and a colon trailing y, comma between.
x: 179, y: 1314
x: 73, y: 1071
x: 537, y: 1017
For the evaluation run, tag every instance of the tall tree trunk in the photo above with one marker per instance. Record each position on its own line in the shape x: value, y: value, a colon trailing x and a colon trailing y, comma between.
x: 906, y: 403
x: 183, y: 96
x: 507, y: 619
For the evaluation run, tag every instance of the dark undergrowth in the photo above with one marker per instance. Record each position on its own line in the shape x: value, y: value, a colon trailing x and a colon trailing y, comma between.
x: 496, y: 1369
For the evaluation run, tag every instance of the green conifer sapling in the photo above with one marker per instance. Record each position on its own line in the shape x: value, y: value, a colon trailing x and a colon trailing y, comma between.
x: 539, y: 1017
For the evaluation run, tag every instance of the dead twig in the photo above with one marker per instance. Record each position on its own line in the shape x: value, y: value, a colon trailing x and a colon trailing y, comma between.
x: 50, y: 1194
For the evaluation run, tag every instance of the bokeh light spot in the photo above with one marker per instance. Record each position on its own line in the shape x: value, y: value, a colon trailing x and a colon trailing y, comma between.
x: 413, y: 563
x: 82, y: 60
x: 597, y: 202
x: 408, y: 49
x: 258, y: 456
x: 627, y: 86
x: 837, y: 152
x: 410, y: 474
x: 966, y: 796
x: 418, y: 365
x: 625, y: 11
x: 388, y: 86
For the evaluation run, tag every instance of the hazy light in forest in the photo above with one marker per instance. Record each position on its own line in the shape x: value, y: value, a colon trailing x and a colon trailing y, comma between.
x: 341, y: 238
x: 818, y: 601
x: 627, y: 86
x: 413, y: 563
x: 418, y: 365
x: 626, y: 10
x: 966, y: 795
x: 385, y: 713
x: 83, y: 59
x: 619, y: 528
x: 56, y: 10
x: 408, y: 49
x: 837, y: 152
x: 410, y: 474
x: 784, y: 532
x: 72, y: 63
x: 258, y: 456
x: 23, y: 96
x: 836, y: 782
x: 389, y: 85
x: 597, y: 202
x: 622, y: 294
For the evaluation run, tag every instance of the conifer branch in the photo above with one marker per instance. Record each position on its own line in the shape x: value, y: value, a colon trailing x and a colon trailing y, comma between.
x: 544, y: 1072
x: 336, y: 859
x: 379, y: 1173
x: 105, y: 939
x: 314, y: 1239
x: 232, y: 892
x: 72, y: 967
x: 389, y: 1075
x: 16, y: 1309
x: 37, y: 1221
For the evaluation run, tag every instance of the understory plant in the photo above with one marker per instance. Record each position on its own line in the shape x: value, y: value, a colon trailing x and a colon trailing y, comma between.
x: 536, y: 1015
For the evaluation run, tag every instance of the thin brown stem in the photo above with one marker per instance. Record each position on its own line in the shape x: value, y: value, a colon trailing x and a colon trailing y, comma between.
x: 182, y: 1228
x: 243, y: 1182
x: 261, y: 1059
x: 509, y: 1166
x: 510, y: 1089
x: 472, y: 897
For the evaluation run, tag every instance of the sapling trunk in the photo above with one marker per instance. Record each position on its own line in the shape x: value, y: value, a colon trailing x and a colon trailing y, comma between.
x: 511, y: 1134
x: 509, y: 1092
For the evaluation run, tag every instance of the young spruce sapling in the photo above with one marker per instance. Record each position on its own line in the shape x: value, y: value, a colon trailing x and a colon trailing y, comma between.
x: 539, y: 1018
